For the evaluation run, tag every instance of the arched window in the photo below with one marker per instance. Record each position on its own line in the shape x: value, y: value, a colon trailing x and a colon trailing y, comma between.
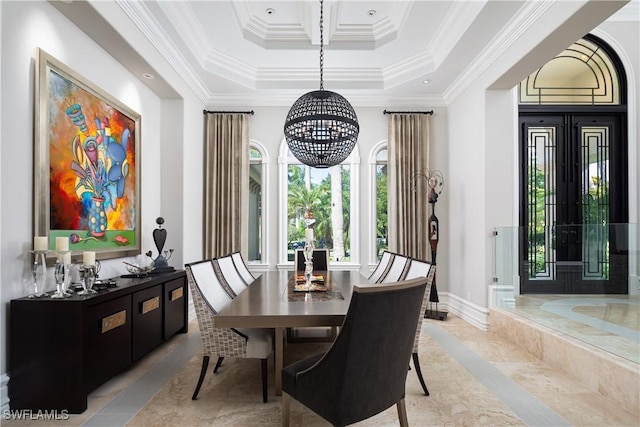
x: 379, y: 210
x: 584, y: 73
x: 331, y: 195
x: 258, y: 233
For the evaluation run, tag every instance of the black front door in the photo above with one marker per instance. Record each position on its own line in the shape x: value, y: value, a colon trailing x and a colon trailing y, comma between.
x: 574, y: 201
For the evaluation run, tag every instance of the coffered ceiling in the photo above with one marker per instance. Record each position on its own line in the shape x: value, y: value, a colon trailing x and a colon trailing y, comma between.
x: 234, y: 52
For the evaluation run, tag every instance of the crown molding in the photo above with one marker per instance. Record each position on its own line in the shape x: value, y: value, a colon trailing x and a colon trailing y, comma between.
x: 259, y: 99
x: 413, y: 67
x: 459, y: 18
x: 628, y: 13
x: 230, y: 68
x: 184, y: 17
x: 269, y: 35
x: 333, y: 78
x: 519, y: 24
x: 141, y: 17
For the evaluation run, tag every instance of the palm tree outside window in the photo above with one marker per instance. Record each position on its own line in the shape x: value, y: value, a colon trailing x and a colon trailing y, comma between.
x: 327, y: 195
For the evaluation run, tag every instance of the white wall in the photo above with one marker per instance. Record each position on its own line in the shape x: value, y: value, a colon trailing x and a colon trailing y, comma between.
x: 483, y: 185
x: 171, y: 136
x: 266, y: 127
x: 467, y: 191
x: 31, y: 25
x: 624, y: 37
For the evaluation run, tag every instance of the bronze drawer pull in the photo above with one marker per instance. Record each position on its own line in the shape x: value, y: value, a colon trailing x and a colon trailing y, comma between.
x: 114, y: 321
x: 150, y: 305
x: 176, y: 294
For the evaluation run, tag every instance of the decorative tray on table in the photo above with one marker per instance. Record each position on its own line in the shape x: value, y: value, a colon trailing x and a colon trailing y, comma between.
x: 317, y: 284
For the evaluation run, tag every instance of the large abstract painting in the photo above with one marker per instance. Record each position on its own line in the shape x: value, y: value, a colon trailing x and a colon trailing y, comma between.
x: 87, y: 164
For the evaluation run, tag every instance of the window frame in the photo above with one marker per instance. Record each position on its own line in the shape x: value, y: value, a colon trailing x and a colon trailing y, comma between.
x: 262, y: 264
x: 354, y: 250
x: 373, y: 193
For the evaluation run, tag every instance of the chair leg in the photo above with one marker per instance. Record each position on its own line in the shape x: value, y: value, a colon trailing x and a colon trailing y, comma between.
x: 416, y: 363
x: 286, y: 408
x: 218, y: 363
x: 402, y: 413
x: 203, y: 372
x: 264, y: 380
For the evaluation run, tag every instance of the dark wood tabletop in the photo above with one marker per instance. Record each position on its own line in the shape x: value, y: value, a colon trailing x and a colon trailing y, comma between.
x: 271, y: 302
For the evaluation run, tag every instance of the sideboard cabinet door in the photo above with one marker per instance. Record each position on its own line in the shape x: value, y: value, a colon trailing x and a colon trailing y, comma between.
x: 46, y: 356
x: 147, y: 321
x: 108, y: 340
x: 175, y: 307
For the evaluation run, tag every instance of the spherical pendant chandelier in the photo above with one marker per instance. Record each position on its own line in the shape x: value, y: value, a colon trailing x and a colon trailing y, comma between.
x: 321, y: 128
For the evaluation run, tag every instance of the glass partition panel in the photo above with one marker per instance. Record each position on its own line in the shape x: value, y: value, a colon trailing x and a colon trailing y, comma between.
x: 594, y: 299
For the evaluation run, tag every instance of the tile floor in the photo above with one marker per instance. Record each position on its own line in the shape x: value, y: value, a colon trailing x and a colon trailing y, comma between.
x: 610, y: 323
x: 475, y: 378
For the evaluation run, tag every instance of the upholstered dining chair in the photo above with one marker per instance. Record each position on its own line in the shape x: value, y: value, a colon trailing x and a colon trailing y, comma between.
x: 242, y: 268
x: 229, y: 275
x: 209, y: 297
x: 396, y: 270
x: 365, y: 369
x: 419, y: 268
x: 320, y: 260
x: 381, y: 268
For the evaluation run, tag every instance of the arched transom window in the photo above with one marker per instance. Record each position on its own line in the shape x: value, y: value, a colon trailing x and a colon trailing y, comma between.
x: 581, y: 74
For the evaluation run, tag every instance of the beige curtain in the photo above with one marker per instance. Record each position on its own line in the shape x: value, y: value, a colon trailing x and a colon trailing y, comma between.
x: 408, y: 205
x: 226, y: 184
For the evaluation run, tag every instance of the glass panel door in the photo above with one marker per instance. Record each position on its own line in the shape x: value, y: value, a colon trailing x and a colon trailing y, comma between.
x: 567, y: 205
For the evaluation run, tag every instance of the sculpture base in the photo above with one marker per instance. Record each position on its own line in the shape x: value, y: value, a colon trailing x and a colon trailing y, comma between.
x: 162, y: 270
x: 435, y: 314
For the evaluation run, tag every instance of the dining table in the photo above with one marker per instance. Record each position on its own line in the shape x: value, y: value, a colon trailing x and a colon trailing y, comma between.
x: 279, y: 300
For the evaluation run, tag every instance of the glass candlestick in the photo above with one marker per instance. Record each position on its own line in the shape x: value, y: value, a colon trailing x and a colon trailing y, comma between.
x: 88, y: 275
x: 39, y: 272
x: 60, y: 273
x: 66, y: 283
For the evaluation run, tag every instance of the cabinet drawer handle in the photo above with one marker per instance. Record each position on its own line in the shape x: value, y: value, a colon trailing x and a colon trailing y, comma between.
x: 150, y: 304
x: 114, y: 321
x: 176, y: 294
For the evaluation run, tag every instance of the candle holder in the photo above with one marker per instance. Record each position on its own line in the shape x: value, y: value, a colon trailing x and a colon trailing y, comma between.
x: 88, y: 275
x: 61, y: 273
x: 39, y: 272
x: 66, y: 282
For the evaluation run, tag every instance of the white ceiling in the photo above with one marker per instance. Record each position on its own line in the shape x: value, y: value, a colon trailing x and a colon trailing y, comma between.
x: 268, y: 52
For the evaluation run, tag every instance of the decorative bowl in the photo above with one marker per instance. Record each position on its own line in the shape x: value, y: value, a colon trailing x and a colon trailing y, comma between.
x: 139, y: 270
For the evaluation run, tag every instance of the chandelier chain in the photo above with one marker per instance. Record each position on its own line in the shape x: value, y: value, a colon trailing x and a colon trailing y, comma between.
x: 321, y: 127
x: 321, y: 45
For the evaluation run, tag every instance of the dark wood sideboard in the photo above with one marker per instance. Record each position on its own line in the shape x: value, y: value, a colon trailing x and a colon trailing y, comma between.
x: 60, y: 350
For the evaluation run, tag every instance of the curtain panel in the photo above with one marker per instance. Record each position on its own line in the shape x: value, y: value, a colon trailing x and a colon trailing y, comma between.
x: 408, y: 204
x: 226, y: 184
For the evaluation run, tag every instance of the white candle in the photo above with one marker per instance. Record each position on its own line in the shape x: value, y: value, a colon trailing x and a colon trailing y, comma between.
x: 62, y: 244
x: 66, y: 258
x: 88, y: 258
x: 40, y: 243
x: 308, y: 234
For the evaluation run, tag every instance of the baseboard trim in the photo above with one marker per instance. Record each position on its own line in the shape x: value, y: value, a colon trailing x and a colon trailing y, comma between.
x: 4, y: 393
x: 466, y: 310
